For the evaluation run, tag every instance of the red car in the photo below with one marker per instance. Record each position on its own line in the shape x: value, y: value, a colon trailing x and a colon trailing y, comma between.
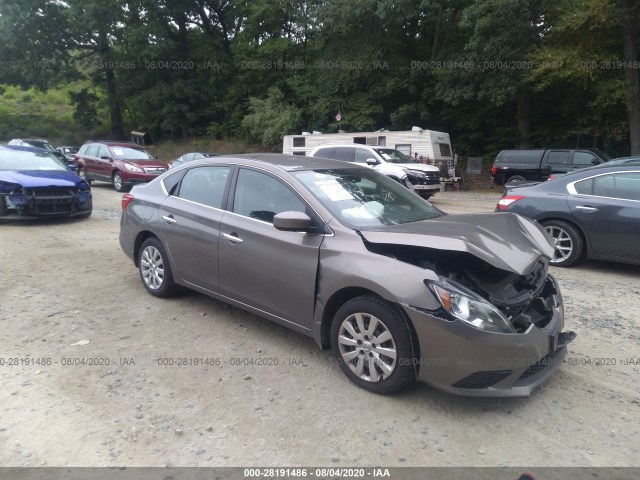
x: 122, y: 164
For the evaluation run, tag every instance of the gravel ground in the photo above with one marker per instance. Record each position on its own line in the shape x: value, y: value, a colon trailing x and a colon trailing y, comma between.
x: 68, y: 296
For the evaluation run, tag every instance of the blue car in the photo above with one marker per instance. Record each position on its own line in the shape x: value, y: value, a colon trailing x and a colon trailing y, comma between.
x: 34, y: 183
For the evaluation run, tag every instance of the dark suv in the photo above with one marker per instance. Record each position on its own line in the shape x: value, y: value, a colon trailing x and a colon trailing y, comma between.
x: 122, y: 164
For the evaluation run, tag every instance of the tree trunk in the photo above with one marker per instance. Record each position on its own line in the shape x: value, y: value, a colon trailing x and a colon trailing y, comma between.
x: 630, y: 38
x: 524, y: 125
x: 597, y: 131
x: 115, y: 115
x: 434, y: 47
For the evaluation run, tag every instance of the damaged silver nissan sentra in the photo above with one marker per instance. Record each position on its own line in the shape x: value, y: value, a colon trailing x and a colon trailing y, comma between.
x: 398, y: 289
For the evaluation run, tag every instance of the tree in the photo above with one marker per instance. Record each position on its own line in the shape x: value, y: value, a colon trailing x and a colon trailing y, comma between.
x: 271, y: 118
x: 631, y: 63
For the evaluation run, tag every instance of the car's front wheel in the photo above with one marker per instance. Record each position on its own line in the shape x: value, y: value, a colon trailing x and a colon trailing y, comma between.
x: 155, y: 270
x: 372, y: 343
x: 118, y: 183
x: 569, y: 244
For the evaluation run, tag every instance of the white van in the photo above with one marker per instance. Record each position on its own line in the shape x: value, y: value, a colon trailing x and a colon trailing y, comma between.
x: 423, y: 179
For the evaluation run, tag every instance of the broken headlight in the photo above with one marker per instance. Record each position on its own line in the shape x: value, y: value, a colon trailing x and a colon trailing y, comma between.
x: 471, y: 308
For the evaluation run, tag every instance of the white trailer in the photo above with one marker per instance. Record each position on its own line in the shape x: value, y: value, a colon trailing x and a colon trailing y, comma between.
x: 430, y: 146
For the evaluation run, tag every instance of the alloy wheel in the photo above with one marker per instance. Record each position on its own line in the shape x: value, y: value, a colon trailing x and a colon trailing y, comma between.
x: 367, y: 347
x: 152, y: 267
x: 563, y: 243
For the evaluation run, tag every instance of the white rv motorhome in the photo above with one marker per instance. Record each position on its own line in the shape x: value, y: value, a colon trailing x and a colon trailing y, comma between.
x: 433, y: 147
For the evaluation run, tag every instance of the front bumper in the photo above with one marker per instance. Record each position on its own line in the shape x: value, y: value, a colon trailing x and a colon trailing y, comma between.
x: 132, y: 178
x: 427, y: 182
x: 460, y: 359
x: 46, y: 203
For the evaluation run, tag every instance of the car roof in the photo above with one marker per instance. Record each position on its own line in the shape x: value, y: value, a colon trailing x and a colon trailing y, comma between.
x: 560, y: 183
x: 285, y: 162
x: 114, y: 143
x: 22, y: 148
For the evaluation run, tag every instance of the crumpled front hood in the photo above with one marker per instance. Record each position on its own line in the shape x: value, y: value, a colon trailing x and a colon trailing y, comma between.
x: 505, y: 240
x: 40, y: 178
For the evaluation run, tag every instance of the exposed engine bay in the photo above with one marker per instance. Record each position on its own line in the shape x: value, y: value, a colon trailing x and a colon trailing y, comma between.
x: 523, y: 299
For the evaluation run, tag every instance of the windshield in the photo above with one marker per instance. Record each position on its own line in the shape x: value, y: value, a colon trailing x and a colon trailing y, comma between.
x: 25, y: 160
x: 131, y: 153
x: 363, y: 198
x: 392, y: 155
x: 606, y: 156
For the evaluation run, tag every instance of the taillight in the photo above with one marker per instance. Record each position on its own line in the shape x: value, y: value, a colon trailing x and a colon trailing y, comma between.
x: 127, y: 198
x: 505, y: 202
x: 493, y: 170
x: 551, y: 177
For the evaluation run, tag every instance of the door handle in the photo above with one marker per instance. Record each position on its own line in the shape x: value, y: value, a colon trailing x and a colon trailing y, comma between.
x: 233, y: 238
x: 169, y: 219
x: 584, y: 208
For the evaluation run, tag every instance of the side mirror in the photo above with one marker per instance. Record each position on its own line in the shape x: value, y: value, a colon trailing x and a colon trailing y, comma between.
x: 292, y: 222
x: 595, y: 161
x: 156, y: 157
x: 373, y: 161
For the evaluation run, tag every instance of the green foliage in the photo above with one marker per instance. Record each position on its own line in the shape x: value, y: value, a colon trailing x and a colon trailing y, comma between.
x: 493, y: 73
x: 271, y: 118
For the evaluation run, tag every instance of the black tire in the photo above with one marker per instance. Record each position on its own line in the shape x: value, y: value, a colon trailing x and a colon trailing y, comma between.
x: 515, y: 179
x: 372, y: 308
x: 566, y: 236
x: 83, y: 174
x: 155, y: 271
x: 425, y: 195
x: 118, y: 183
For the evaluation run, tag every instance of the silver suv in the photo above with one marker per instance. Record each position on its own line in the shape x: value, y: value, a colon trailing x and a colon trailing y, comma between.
x: 423, y: 179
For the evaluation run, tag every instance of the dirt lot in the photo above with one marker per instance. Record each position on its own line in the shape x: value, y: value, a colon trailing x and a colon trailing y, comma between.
x: 64, y: 284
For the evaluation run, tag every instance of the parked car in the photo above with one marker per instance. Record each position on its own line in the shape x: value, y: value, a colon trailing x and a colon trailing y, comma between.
x: 68, y: 151
x: 538, y: 165
x: 424, y: 179
x: 34, y: 183
x: 353, y: 259
x: 592, y: 213
x: 121, y: 164
x: 188, y: 157
x: 45, y: 145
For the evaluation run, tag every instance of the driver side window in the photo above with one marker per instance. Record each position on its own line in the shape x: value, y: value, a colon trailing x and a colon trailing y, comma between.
x: 261, y: 196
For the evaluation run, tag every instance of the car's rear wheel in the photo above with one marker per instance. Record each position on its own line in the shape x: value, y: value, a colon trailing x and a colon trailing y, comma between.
x: 569, y: 244
x: 516, y: 179
x: 118, y: 183
x: 372, y: 343
x: 155, y: 270
x: 83, y: 175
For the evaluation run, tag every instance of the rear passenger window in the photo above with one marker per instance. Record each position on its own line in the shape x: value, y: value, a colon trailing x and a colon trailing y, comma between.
x: 558, y: 157
x: 171, y: 182
x: 624, y: 185
x: 323, y: 153
x: 205, y: 185
x: 344, y: 154
x: 585, y: 187
x: 92, y: 151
